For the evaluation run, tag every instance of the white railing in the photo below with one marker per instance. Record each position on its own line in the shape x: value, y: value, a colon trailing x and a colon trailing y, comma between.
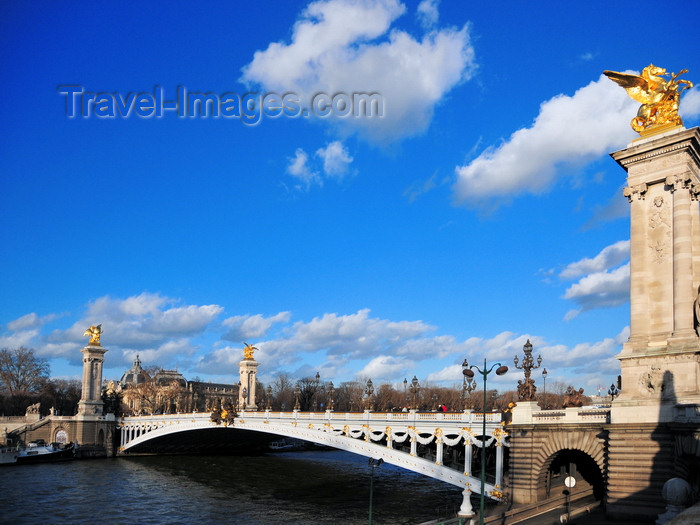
x: 466, y: 418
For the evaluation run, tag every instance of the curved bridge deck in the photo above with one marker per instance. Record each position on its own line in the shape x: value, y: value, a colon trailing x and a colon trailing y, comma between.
x: 394, y: 437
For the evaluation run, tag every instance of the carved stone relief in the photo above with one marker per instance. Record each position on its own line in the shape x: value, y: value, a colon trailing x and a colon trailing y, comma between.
x: 652, y: 381
x: 659, y: 229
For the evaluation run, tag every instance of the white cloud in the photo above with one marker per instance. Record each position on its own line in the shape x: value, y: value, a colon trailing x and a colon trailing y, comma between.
x: 600, y: 290
x: 166, y: 354
x: 121, y: 309
x: 149, y: 324
x: 343, y: 46
x: 19, y: 338
x: 299, y: 167
x: 436, y: 347
x: 357, y: 335
x: 427, y: 13
x: 568, y: 130
x: 221, y: 361
x: 24, y: 322
x: 690, y: 103
x: 603, y: 280
x: 336, y: 159
x: 67, y: 350
x: 385, y: 367
x: 242, y: 327
x: 332, y: 341
x: 609, y: 257
x: 182, y: 320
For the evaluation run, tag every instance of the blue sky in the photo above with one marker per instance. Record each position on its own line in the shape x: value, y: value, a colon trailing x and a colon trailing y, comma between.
x: 481, y: 209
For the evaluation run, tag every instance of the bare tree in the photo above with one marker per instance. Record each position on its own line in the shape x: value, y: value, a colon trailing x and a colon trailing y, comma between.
x: 348, y: 396
x: 309, y: 388
x: 283, y: 390
x: 62, y: 395
x: 21, y: 372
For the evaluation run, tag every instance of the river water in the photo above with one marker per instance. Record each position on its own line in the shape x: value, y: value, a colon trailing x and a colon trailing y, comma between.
x: 309, y: 487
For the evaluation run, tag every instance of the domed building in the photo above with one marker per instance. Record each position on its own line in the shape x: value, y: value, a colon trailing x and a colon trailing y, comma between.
x: 135, y: 375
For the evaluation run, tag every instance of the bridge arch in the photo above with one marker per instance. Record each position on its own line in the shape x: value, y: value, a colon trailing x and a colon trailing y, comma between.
x: 370, y: 434
x: 560, y: 450
x: 541, y: 453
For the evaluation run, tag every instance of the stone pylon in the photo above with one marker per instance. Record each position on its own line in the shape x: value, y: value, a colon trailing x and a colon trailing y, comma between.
x: 91, y: 400
x: 247, y: 370
x: 652, y: 435
x: 660, y: 362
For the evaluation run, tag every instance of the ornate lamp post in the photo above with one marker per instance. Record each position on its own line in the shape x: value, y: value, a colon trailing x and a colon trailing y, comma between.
x: 269, y: 397
x: 468, y: 385
x: 315, y: 396
x: 331, y: 390
x: 415, y: 392
x: 544, y: 388
x: 469, y: 372
x: 297, y: 393
x: 613, y: 392
x: 369, y: 392
x: 405, y: 394
x: 526, y: 389
x: 245, y: 398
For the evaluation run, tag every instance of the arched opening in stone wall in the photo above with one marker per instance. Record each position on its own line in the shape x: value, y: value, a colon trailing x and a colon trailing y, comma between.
x: 581, y: 466
x: 101, y: 438
x: 61, y: 436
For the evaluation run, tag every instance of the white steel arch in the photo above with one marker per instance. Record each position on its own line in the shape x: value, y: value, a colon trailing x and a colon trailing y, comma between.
x: 369, y: 434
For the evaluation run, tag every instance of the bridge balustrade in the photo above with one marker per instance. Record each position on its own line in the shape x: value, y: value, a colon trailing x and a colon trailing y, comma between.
x: 571, y: 415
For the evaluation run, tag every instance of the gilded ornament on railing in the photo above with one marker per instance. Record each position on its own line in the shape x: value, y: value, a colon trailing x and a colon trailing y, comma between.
x: 659, y: 97
x: 94, y: 332
x: 225, y: 415
x: 248, y: 350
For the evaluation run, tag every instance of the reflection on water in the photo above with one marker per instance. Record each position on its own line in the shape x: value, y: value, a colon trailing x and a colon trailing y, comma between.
x: 324, y: 487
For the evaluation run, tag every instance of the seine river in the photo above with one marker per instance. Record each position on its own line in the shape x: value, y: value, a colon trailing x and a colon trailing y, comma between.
x: 324, y: 487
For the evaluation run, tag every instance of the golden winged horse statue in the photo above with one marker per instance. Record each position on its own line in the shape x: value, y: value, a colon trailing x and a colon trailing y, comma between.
x: 248, y: 350
x: 659, y: 97
x: 94, y: 332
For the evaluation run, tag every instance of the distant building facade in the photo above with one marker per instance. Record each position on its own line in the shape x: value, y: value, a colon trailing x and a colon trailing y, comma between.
x: 167, y: 392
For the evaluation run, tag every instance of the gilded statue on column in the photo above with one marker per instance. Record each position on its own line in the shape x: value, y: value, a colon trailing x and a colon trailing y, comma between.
x: 94, y: 332
x: 248, y: 350
x: 659, y: 97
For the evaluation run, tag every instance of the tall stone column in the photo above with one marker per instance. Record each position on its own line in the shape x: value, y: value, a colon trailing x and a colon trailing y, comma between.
x: 91, y: 399
x: 660, y: 362
x: 247, y: 370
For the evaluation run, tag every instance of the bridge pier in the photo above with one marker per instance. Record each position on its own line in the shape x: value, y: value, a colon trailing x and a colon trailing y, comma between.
x: 660, y: 362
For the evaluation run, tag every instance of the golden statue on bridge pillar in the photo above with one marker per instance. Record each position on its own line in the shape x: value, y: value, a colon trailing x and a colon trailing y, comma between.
x: 94, y: 332
x: 248, y: 350
x: 659, y: 97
